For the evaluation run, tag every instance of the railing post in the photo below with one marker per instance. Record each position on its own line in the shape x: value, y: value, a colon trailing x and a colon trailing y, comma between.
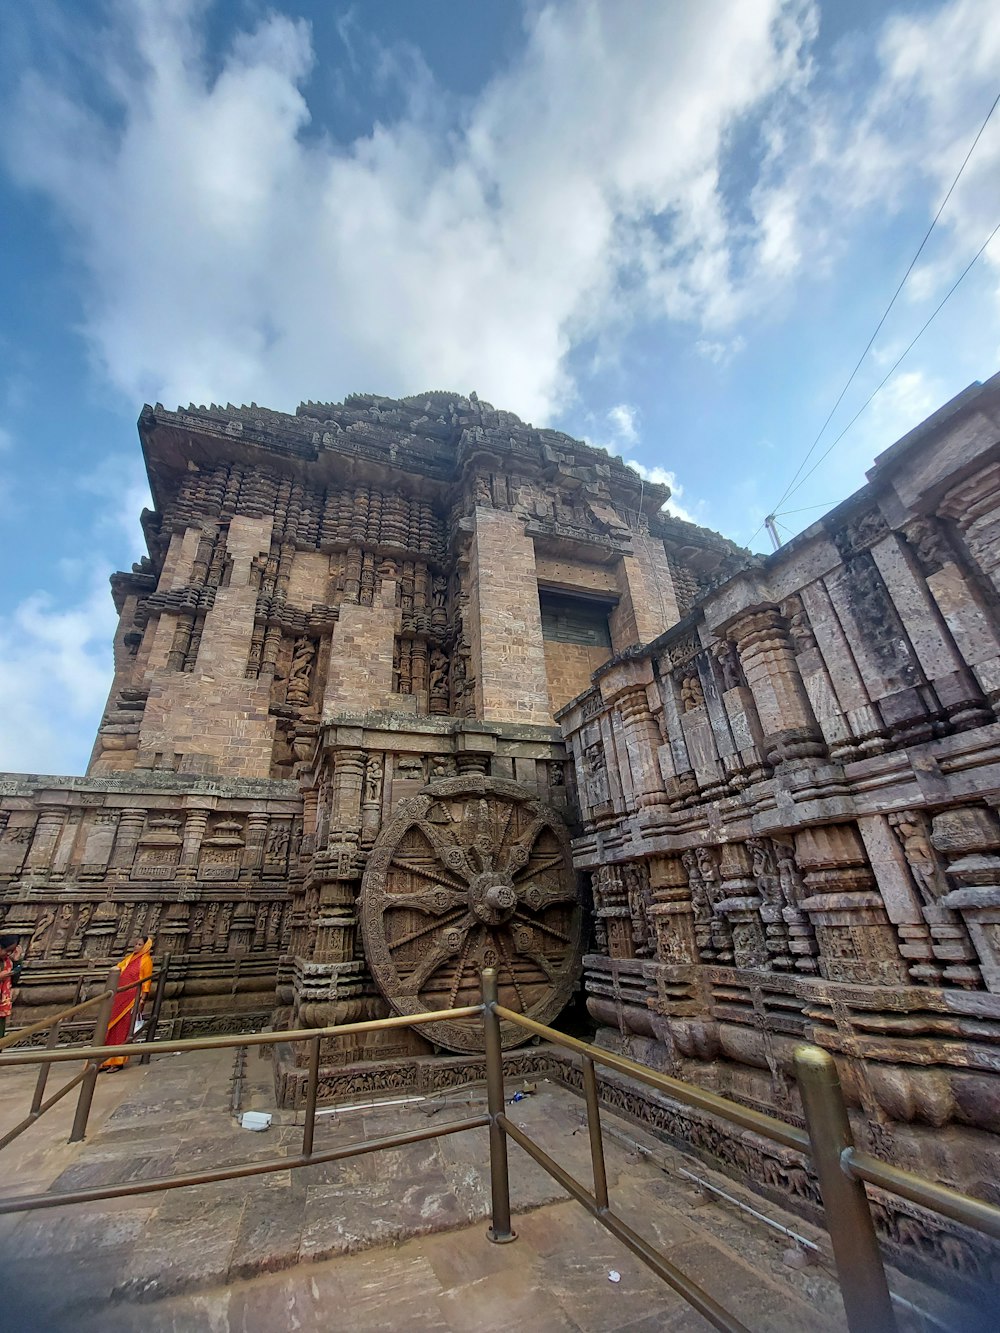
x: 848, y: 1216
x: 154, y: 1018
x: 43, y: 1070
x: 309, y: 1128
x: 500, y: 1232
x: 596, y: 1136
x: 79, y: 1130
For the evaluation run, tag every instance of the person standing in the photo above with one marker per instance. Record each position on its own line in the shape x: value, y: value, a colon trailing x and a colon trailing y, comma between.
x: 134, y: 972
x: 10, y: 973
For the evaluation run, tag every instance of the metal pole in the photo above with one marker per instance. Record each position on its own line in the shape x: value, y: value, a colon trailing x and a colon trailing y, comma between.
x: 848, y: 1217
x: 79, y: 1130
x: 772, y: 531
x: 154, y: 1018
x: 43, y: 1072
x: 594, y: 1129
x: 309, y: 1128
x: 500, y: 1232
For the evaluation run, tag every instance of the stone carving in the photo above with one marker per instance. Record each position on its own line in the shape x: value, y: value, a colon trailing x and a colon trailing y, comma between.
x: 729, y: 665
x: 297, y: 690
x: 930, y: 544
x: 492, y: 886
x: 247, y: 764
x: 692, y: 695
x: 913, y: 831
x: 799, y: 628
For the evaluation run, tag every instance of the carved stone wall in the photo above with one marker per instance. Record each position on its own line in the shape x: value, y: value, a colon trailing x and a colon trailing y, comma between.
x: 340, y: 609
x: 205, y: 867
x: 329, y: 781
x: 790, y: 816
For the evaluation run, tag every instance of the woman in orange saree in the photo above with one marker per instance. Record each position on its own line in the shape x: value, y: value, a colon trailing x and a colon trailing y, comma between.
x: 134, y: 972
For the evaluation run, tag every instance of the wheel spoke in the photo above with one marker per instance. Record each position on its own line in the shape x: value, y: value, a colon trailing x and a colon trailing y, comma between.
x: 510, y: 968
x: 434, y: 873
x: 439, y: 924
x: 538, y: 867
x: 540, y: 925
x: 437, y: 900
x: 460, y: 969
x: 439, y: 954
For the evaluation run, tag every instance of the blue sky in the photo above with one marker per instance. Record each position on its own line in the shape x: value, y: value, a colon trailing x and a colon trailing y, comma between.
x: 667, y: 227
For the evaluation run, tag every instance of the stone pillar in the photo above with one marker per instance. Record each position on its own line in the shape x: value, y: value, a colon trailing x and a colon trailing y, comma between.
x: 740, y: 904
x: 172, y: 935
x: 672, y: 911
x: 98, y: 843
x: 241, y: 929
x: 975, y: 505
x: 969, y: 838
x: 958, y: 691
x: 625, y: 687
x: 802, y: 945
x: 767, y: 656
x: 48, y: 827
x: 647, y: 604
x: 505, y: 628
x: 130, y: 825
x: 857, y: 942
x: 195, y: 820
x: 371, y: 801
x: 348, y: 785
x: 310, y: 808
x: 253, y: 848
x: 868, y: 731
x: 960, y: 603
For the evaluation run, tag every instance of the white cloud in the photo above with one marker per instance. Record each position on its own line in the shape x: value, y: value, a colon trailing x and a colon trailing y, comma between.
x: 721, y: 353
x: 623, y: 418
x: 856, y: 145
x: 55, y: 669
x: 56, y: 661
x: 662, y: 476
x: 228, y: 255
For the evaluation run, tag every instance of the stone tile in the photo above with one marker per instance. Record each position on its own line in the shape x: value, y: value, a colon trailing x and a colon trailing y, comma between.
x: 269, y: 1235
x: 502, y: 1301
x: 76, y: 1229
x: 174, y: 1255
x: 743, y: 1291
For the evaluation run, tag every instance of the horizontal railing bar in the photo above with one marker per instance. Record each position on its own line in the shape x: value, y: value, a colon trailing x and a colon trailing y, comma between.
x: 767, y: 1125
x: 49, y: 1102
x: 63, y: 1053
x: 33, y: 1202
x: 43, y: 1023
x: 951, y: 1203
x: 696, y: 1296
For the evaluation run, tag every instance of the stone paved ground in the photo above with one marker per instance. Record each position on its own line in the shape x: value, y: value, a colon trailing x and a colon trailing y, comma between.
x: 379, y: 1242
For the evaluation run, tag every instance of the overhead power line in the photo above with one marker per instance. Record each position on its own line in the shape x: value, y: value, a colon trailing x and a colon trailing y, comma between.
x: 896, y: 363
x: 885, y: 314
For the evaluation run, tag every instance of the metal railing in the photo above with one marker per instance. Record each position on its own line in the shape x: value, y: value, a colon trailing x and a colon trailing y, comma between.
x: 842, y: 1169
x: 92, y: 1055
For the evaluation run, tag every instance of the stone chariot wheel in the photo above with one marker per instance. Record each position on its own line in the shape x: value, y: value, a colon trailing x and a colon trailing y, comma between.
x: 472, y: 872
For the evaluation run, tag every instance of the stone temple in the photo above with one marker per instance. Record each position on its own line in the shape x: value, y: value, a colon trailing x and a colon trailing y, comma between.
x: 408, y: 688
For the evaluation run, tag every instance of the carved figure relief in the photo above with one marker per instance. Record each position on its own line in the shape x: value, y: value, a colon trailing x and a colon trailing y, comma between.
x: 729, y: 665
x: 297, y: 690
x: 799, y: 628
x: 692, y: 695
x: 912, y: 829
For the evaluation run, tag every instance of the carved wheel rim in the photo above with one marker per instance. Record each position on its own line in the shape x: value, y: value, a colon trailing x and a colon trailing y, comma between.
x: 470, y: 873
